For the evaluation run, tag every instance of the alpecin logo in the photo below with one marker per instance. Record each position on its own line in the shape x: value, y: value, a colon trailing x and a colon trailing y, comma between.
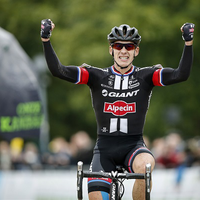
x: 119, y: 108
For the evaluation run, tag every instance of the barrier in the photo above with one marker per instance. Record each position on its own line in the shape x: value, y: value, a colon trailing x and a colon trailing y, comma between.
x: 61, y: 185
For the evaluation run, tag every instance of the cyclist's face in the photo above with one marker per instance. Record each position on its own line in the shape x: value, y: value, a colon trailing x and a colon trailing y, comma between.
x: 123, y: 56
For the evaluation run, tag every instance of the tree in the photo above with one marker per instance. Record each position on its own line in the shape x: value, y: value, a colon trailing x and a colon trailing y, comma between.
x: 81, y: 36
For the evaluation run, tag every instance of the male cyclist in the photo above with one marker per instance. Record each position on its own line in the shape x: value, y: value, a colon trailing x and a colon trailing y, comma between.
x: 120, y: 97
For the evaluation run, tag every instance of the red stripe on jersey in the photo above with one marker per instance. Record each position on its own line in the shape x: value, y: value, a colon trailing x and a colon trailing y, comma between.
x: 157, y: 78
x: 83, y: 76
x: 100, y: 179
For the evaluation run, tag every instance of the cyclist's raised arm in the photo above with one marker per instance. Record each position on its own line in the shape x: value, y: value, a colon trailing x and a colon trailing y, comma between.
x: 167, y: 76
x: 69, y: 73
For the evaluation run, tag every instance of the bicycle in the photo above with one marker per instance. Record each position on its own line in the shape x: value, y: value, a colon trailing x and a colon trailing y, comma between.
x: 117, y: 188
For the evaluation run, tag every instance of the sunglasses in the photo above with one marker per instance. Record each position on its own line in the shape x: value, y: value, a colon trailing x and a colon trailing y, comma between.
x: 119, y: 46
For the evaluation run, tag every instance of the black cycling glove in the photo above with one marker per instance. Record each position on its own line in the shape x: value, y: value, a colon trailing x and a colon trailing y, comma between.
x: 46, y: 28
x: 188, y: 31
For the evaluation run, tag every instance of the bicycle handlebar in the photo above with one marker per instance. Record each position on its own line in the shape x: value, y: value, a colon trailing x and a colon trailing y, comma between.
x: 112, y: 175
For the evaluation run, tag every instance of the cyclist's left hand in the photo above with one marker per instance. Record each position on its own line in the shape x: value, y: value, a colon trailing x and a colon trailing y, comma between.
x: 188, y: 31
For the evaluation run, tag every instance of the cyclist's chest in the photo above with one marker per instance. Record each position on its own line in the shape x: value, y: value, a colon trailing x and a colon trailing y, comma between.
x: 114, y: 90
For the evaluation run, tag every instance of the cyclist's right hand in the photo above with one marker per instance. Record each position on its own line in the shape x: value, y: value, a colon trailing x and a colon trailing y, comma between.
x: 46, y: 28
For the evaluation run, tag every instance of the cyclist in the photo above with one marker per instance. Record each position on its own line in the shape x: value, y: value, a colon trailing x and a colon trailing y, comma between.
x: 120, y: 96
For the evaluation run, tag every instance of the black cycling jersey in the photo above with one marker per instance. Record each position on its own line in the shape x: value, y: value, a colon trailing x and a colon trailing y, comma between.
x: 120, y: 101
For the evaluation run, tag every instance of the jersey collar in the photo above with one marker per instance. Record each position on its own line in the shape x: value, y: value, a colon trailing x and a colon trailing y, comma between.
x: 114, y: 71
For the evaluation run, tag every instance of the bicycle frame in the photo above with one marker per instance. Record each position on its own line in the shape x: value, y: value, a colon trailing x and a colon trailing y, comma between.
x: 114, y: 176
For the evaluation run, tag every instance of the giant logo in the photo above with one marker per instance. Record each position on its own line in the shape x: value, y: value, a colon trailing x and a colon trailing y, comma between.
x: 105, y: 93
x: 119, y: 108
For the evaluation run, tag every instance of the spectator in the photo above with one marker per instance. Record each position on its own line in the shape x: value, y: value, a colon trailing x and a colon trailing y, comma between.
x: 158, y: 146
x: 61, y: 156
x: 171, y: 150
x: 81, y: 146
x: 5, y: 156
x: 30, y: 157
x: 16, y: 147
x: 193, y: 152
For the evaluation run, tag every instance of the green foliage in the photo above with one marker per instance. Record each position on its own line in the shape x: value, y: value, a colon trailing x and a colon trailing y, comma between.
x: 80, y: 37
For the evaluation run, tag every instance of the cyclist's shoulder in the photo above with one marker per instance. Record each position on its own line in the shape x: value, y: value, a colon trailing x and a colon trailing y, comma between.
x: 96, y: 70
x: 148, y: 68
x: 93, y: 68
x: 140, y: 71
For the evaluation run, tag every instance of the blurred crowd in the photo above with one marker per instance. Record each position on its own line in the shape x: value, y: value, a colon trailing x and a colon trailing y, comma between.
x: 170, y: 151
x: 61, y: 154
